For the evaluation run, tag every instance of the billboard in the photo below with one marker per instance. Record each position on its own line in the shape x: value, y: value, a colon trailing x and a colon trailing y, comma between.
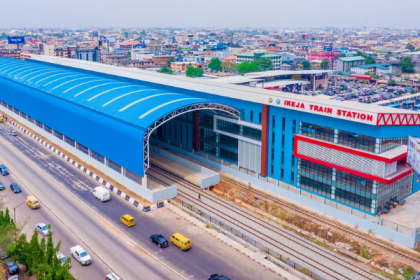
x: 413, y: 154
x: 327, y: 48
x: 16, y: 40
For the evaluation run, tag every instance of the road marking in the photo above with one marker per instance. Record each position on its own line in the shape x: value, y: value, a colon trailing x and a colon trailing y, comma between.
x: 154, y: 184
x: 90, y: 208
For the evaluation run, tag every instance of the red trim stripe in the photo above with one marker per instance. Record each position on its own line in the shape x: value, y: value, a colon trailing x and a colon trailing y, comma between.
x: 364, y: 175
x: 348, y: 150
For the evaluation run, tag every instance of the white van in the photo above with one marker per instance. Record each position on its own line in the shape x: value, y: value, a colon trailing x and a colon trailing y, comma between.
x: 101, y: 193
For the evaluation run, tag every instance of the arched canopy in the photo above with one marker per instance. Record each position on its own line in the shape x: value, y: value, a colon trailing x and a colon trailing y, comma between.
x: 142, y: 106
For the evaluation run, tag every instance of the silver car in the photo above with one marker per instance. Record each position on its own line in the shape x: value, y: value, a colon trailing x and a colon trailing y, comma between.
x: 13, y: 133
x: 62, y: 258
x: 43, y: 229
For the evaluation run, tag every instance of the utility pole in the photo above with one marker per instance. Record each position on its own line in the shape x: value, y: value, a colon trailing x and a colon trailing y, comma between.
x: 14, y: 216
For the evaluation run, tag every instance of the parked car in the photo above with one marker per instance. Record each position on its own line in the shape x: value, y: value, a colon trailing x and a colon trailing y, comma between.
x: 12, y: 268
x: 62, y: 258
x: 159, y: 240
x: 15, y: 188
x: 218, y: 277
x: 12, y: 133
x: 43, y: 229
x: 3, y: 254
x: 2, y: 187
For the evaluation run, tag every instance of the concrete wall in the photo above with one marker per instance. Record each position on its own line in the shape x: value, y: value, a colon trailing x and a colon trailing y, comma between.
x: 147, y: 194
x: 212, y: 179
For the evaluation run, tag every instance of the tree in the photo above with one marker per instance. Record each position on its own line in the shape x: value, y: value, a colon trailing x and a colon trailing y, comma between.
x: 129, y: 55
x: 342, y: 55
x: 306, y: 65
x: 340, y: 73
x: 407, y: 65
x: 410, y: 47
x: 165, y: 70
x: 228, y: 66
x: 194, y: 72
x: 170, y: 60
x: 392, y: 82
x: 325, y: 63
x: 359, y: 53
x: 248, y: 67
x: 370, y: 60
x: 215, y: 65
x: 264, y: 63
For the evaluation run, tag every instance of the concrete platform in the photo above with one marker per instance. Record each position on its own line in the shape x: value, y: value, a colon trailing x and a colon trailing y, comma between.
x: 187, y: 170
x: 406, y: 215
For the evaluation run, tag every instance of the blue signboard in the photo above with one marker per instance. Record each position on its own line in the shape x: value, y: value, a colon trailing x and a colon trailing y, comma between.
x: 327, y: 48
x: 16, y: 40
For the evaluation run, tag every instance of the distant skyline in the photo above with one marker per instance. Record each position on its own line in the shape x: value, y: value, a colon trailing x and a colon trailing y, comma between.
x: 215, y: 13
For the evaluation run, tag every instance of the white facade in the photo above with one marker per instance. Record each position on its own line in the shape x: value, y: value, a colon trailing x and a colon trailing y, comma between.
x: 49, y: 50
x: 140, y: 54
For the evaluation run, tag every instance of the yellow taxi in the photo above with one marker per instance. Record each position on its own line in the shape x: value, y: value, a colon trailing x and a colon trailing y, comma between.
x: 32, y: 202
x: 128, y: 220
x: 1, y: 119
x: 181, y: 241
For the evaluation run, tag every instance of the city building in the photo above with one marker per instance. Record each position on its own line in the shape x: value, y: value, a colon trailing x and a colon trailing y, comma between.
x: 49, y: 50
x: 380, y: 69
x: 330, y: 56
x: 181, y: 67
x: 88, y: 54
x: 344, y: 64
x: 275, y: 59
x: 10, y: 53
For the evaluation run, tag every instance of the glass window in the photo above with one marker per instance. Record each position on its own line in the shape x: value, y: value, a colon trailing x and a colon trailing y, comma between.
x: 82, y: 148
x: 113, y: 165
x: 69, y: 141
x: 97, y: 156
x: 58, y: 134
x: 47, y: 129
x: 133, y: 176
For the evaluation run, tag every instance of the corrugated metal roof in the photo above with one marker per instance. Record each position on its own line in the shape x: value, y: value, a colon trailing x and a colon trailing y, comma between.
x: 136, y: 104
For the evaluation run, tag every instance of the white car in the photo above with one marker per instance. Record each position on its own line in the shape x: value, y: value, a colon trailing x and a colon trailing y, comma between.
x: 80, y: 255
x: 43, y: 229
x: 13, y: 133
x: 112, y: 276
x: 62, y: 258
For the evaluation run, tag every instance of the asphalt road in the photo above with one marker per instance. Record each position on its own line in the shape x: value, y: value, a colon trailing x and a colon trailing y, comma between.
x: 122, y: 255
x: 207, y: 256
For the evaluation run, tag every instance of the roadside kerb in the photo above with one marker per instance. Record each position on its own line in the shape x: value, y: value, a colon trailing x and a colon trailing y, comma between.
x: 244, y: 247
x: 90, y: 173
x: 122, y: 233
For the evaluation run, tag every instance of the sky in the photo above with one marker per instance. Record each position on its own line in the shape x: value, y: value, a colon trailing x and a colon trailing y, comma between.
x: 213, y: 13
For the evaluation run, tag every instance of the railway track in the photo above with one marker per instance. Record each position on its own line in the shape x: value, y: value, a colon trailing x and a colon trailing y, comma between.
x: 322, y: 220
x: 322, y: 257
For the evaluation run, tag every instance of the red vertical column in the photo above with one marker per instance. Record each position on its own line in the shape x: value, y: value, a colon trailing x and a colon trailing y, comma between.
x: 196, y: 141
x: 264, y: 140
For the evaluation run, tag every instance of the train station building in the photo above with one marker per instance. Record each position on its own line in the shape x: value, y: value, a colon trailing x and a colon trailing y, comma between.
x: 348, y: 153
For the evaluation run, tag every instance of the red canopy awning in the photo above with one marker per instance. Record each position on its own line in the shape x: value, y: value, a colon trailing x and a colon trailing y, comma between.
x: 361, y: 77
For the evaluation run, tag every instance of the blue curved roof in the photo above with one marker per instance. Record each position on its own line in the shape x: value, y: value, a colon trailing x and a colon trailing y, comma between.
x: 136, y: 104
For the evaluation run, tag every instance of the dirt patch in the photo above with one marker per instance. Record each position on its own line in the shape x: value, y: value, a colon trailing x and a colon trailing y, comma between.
x: 88, y: 166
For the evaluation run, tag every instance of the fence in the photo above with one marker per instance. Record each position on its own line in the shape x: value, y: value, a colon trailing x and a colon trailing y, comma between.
x: 229, y: 230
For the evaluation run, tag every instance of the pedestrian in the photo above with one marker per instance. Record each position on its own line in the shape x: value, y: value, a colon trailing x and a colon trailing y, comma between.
x: 199, y: 196
x: 249, y: 184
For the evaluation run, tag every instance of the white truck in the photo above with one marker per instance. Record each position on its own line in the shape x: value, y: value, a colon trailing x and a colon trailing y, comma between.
x: 101, y: 193
x: 80, y: 255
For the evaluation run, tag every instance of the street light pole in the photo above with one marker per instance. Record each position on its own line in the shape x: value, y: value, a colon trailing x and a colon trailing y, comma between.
x: 14, y: 216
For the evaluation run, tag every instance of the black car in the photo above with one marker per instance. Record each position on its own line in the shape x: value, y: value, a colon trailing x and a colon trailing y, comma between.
x: 12, y: 268
x: 15, y: 188
x: 159, y: 240
x: 218, y: 277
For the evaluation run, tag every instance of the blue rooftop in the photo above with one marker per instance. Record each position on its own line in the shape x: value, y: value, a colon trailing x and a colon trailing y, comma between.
x: 135, y: 104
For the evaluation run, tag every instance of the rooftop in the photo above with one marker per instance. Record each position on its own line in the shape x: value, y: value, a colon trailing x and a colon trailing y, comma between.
x: 353, y: 58
x: 383, y: 66
x: 341, y: 110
